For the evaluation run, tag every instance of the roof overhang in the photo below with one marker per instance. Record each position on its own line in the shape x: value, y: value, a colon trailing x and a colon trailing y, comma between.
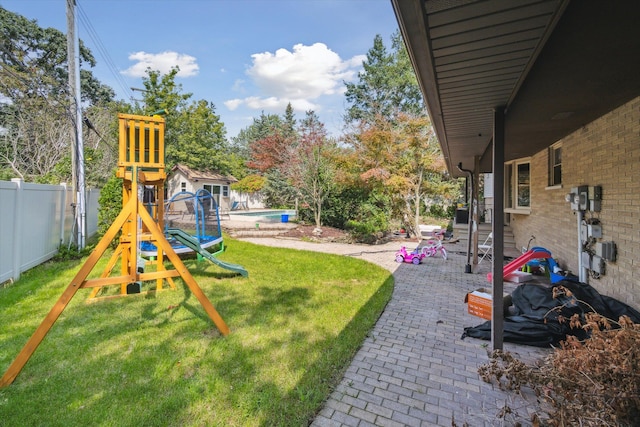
x: 553, y: 65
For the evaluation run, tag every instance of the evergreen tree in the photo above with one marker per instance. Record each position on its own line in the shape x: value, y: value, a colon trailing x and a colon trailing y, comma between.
x: 386, y: 87
x: 310, y: 166
x: 194, y: 134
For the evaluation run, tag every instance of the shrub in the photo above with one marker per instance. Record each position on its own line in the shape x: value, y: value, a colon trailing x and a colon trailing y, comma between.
x: 341, y: 206
x: 371, y: 222
x: 110, y: 203
x: 595, y: 382
x: 442, y: 211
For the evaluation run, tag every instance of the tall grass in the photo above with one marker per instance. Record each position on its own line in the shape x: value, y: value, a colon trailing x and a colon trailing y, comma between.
x: 157, y: 359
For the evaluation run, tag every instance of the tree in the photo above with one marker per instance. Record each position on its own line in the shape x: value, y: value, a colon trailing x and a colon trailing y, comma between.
x: 260, y: 128
x: 250, y: 184
x: 386, y: 87
x: 199, y: 138
x: 268, y: 139
x: 35, y: 140
x: 34, y: 103
x: 310, y: 167
x: 392, y: 140
x: 278, y: 191
x: 100, y: 130
x: 110, y: 204
x: 194, y: 134
x: 421, y: 165
x: 267, y: 143
x: 162, y: 95
x: 289, y: 122
x: 270, y: 152
x: 38, y: 57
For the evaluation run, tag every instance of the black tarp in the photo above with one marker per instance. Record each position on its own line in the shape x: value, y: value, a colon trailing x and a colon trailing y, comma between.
x: 535, y: 318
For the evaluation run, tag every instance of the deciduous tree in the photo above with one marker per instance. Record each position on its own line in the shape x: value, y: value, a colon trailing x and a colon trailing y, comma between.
x: 393, y: 143
x: 310, y: 166
x: 36, y: 129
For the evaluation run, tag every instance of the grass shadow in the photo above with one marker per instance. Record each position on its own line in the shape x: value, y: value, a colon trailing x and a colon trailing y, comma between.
x: 159, y: 360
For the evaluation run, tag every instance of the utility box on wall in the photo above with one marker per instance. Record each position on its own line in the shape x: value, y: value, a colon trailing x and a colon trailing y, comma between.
x: 595, y: 198
x: 606, y: 250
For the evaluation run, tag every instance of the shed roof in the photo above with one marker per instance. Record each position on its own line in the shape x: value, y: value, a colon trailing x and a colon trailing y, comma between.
x: 196, y: 175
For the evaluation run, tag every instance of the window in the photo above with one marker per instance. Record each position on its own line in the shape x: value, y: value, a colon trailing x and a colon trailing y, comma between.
x: 183, y: 186
x: 555, y: 165
x: 217, y: 190
x: 517, y: 181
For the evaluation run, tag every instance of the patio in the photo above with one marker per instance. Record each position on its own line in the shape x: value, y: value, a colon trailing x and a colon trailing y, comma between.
x: 414, y: 369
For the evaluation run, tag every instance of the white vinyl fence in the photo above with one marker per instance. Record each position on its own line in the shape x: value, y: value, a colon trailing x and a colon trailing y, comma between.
x: 35, y: 220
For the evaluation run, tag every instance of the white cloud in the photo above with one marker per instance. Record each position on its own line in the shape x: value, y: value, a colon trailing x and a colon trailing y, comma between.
x: 162, y: 62
x: 298, y: 77
x: 238, y: 86
x: 271, y: 103
x: 232, y: 104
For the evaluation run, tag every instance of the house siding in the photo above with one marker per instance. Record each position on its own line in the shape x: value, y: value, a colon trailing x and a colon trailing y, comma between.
x: 605, y: 152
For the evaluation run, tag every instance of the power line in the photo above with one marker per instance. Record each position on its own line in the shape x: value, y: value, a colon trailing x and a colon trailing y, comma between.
x: 93, y: 34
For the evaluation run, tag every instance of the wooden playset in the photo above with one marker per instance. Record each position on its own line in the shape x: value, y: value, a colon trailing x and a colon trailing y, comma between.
x: 141, y: 167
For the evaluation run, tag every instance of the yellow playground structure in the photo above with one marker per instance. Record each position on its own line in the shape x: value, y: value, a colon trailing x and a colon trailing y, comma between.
x: 141, y: 166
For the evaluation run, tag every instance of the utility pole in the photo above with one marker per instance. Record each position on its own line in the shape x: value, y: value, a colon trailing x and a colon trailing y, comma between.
x: 77, y: 155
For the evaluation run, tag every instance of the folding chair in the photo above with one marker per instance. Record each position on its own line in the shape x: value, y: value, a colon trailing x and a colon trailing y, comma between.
x: 190, y: 209
x: 486, y: 248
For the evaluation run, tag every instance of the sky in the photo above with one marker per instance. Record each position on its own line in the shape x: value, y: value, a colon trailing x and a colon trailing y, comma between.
x: 244, y: 56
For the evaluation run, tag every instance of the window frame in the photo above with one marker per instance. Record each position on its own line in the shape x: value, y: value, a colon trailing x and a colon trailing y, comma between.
x: 555, y: 164
x: 514, y: 187
x: 218, y: 191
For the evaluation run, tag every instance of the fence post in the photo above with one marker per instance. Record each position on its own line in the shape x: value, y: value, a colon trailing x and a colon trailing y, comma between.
x: 17, y: 228
x: 63, y: 212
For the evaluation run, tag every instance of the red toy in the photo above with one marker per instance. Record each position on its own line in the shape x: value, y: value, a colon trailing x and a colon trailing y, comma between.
x: 414, y: 257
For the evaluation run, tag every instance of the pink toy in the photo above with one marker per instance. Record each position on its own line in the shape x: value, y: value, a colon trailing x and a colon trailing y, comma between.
x: 414, y: 257
x: 435, y: 246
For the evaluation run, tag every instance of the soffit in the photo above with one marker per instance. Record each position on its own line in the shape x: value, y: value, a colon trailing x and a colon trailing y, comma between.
x: 554, y: 65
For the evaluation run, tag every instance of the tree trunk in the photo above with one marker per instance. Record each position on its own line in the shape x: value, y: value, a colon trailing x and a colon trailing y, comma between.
x: 417, y: 204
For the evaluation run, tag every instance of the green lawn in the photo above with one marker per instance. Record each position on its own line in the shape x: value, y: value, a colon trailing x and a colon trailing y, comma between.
x: 157, y: 359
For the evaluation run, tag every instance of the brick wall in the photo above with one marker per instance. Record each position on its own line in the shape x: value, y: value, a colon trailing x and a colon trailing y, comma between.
x: 605, y: 152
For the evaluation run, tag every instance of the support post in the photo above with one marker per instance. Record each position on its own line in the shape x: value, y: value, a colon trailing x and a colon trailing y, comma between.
x: 474, y: 213
x: 17, y: 228
x: 497, y: 314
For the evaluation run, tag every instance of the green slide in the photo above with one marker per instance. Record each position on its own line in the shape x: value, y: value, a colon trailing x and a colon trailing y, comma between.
x: 193, y: 243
